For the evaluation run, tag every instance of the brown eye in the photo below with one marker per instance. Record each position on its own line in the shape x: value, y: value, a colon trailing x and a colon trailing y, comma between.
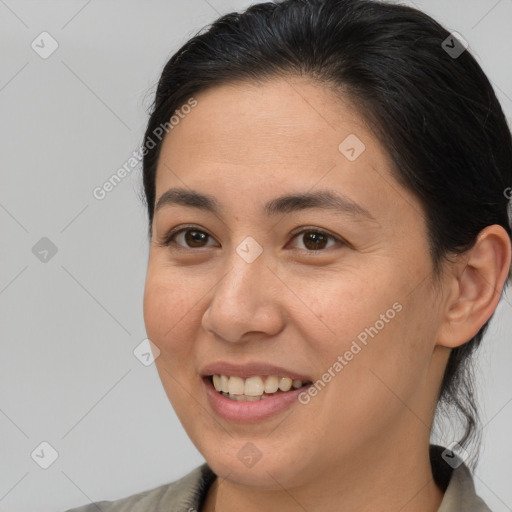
x: 188, y: 238
x: 194, y: 238
x: 315, y: 240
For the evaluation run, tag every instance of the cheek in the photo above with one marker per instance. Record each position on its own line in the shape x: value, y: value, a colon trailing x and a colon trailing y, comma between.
x: 372, y: 323
x: 169, y: 317
x: 339, y: 306
x: 168, y: 311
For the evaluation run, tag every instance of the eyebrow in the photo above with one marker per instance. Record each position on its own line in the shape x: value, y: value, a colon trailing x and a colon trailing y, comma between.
x: 322, y: 199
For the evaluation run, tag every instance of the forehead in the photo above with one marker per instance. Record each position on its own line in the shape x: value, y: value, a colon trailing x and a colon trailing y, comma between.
x: 258, y: 141
x: 280, y: 119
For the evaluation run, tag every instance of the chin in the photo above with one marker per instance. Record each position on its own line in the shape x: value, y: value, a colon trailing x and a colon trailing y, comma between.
x: 265, y: 476
x: 256, y: 464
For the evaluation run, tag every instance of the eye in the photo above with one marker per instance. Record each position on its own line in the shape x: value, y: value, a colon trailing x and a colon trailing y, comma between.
x: 312, y: 239
x: 187, y: 238
x: 316, y: 239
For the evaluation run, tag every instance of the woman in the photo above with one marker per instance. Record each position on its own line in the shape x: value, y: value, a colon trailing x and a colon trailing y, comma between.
x: 329, y: 238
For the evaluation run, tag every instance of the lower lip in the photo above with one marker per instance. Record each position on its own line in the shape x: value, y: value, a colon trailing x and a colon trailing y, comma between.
x: 246, y: 412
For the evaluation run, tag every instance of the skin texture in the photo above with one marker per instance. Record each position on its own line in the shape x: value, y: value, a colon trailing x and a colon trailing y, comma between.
x: 362, y: 442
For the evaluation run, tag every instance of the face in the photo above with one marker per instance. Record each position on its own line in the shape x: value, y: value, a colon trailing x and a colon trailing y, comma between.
x: 331, y: 289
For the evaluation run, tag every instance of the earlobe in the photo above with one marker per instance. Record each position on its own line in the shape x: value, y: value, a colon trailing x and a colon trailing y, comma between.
x: 480, y: 276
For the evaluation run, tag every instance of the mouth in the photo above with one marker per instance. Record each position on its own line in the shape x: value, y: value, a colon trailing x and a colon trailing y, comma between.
x: 256, y: 387
x: 252, y: 391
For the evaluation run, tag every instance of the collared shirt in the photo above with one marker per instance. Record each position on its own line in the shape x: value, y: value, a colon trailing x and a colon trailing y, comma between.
x: 188, y: 494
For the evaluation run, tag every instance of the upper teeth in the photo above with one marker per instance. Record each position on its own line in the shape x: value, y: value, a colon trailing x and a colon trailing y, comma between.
x: 254, y: 386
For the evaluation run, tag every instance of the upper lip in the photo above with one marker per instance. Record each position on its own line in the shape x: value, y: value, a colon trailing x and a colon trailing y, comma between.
x: 251, y: 369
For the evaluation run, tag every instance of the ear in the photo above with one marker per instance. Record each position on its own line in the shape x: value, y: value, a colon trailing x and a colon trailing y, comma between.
x: 476, y: 285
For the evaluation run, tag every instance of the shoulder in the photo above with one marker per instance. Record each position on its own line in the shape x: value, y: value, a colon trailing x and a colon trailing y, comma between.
x: 461, y: 493
x: 455, y: 479
x: 181, y: 495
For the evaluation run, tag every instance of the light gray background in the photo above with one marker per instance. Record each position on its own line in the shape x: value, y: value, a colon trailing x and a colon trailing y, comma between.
x: 69, y: 326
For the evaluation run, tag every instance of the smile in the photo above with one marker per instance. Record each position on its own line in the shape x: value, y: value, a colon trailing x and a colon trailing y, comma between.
x: 254, y: 388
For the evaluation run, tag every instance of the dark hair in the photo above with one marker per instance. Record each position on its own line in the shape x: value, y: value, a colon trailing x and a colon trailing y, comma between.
x: 435, y: 112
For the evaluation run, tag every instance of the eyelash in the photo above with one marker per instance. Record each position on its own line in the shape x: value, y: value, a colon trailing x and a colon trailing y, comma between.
x: 169, y: 239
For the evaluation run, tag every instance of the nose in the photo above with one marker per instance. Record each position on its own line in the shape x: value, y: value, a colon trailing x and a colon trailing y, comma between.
x: 245, y: 300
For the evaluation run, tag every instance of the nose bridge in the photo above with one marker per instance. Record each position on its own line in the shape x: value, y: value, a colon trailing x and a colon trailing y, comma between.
x: 242, y: 288
x: 248, y: 268
x: 242, y: 300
